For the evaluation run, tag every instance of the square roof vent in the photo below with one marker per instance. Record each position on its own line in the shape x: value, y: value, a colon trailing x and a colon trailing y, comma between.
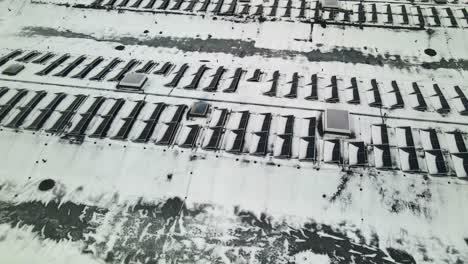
x: 337, y: 122
x: 199, y: 109
x: 330, y: 4
x: 13, y: 69
x: 132, y: 81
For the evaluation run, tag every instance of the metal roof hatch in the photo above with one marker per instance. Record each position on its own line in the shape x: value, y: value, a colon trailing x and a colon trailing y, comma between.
x: 336, y: 122
x: 132, y: 81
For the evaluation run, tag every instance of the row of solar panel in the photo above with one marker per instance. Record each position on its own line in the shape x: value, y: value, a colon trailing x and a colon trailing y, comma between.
x: 402, y: 15
x: 350, y: 12
x: 377, y: 94
x: 235, y: 132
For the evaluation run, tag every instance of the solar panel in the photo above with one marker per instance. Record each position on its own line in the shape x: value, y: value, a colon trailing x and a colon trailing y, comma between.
x: 80, y: 128
x: 9, y: 56
x: 294, y: 84
x: 404, y: 15
x: 150, y: 4
x: 302, y: 9
x: 287, y: 12
x: 67, y: 115
x: 444, y: 106
x: 168, y: 136
x: 314, y: 87
x: 256, y: 76
x: 102, y: 74
x: 245, y: 10
x: 459, y: 141
x: 44, y: 58
x: 435, y: 162
x: 123, y: 3
x: 235, y: 81
x: 177, y: 5
x: 264, y: 135
x: 46, y: 112
x: 435, y: 16
x: 137, y: 4
x: 218, y: 130
x: 399, y: 99
x: 238, y: 144
x: 377, y: 100
x: 26, y: 110
x: 213, y: 86
x: 164, y: 4
x: 127, y: 68
x: 54, y: 65
x: 3, y: 90
x: 331, y: 150
x: 205, y: 5
x: 148, y: 130
x: 31, y: 55
x: 383, y: 156
x: 411, y: 160
x: 6, y: 108
x: 191, y: 138
x: 334, y: 91
x: 65, y: 71
x: 259, y: 11
x: 191, y: 5
x: 274, y: 84
x: 196, y: 80
x: 164, y: 69
x: 175, y: 81
x: 82, y: 74
x: 111, y: 2
x: 422, y: 106
x: 129, y: 121
x: 218, y: 7
x: 107, y: 120
x: 147, y: 67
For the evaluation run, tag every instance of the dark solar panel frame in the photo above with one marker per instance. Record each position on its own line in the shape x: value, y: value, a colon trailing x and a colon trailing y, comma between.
x: 239, y: 141
x: 235, y: 81
x: 178, y: 76
x: 164, y: 69
x: 66, y: 115
x: 79, y: 130
x: 129, y: 121
x: 65, y: 71
x: 104, y: 126
x: 46, y: 112
x: 44, y: 58
x: 213, y: 86
x: 88, y: 68
x: 54, y: 65
x: 147, y: 67
x: 29, y: 56
x: 264, y: 134
x: 26, y: 110
x: 9, y: 56
x: 8, y: 106
x: 173, y: 125
x: 191, y: 139
x: 274, y: 84
x: 108, y: 68
x: 314, y: 88
x: 148, y: 130
x: 294, y: 85
x: 127, y: 68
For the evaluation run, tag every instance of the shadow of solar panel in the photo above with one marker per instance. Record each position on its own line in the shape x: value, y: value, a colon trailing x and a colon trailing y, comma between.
x: 26, y: 110
x: 274, y: 84
x: 235, y: 81
x: 294, y: 85
x: 147, y: 67
x: 65, y: 71
x: 78, y: 131
x: 148, y: 130
x: 123, y: 132
x: 314, y: 87
x: 82, y: 74
x: 8, y: 106
x: 67, y: 115
x: 28, y: 57
x: 46, y: 57
x: 213, y: 86
x: 54, y: 65
x: 178, y: 76
x: 191, y: 138
x: 383, y: 129
x: 38, y: 123
x: 9, y: 56
x: 108, y: 68
x: 170, y: 132
x: 104, y: 126
x: 127, y: 68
